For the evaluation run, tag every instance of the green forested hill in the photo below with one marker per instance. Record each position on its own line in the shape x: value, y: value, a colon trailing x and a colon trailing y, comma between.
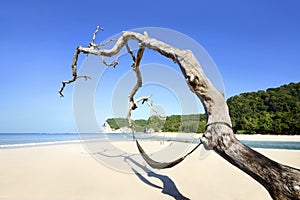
x: 194, y: 123
x: 174, y: 123
x: 274, y: 111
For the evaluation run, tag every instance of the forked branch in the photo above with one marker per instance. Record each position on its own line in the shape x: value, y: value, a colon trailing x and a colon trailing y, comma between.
x: 139, y: 82
x: 136, y: 68
x: 74, y: 74
x: 91, y: 46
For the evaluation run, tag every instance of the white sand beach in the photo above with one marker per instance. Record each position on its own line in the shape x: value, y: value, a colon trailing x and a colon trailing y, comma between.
x: 67, y: 171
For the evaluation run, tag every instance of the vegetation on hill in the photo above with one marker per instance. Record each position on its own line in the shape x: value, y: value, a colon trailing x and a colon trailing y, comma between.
x: 116, y: 123
x: 174, y: 123
x: 194, y: 123
x: 274, y: 111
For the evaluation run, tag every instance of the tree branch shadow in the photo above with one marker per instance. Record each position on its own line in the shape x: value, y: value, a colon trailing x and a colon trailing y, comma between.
x: 169, y: 187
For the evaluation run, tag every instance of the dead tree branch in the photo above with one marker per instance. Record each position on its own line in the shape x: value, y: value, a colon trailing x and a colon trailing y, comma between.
x: 92, y: 43
x: 282, y: 182
x: 74, y: 74
x: 136, y: 68
x: 150, y: 104
x: 113, y: 63
x: 94, y: 46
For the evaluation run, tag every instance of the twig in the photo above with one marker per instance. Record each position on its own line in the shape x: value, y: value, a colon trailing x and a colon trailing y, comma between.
x: 92, y: 44
x: 113, y: 63
x: 74, y: 73
x: 64, y: 83
x: 154, y: 110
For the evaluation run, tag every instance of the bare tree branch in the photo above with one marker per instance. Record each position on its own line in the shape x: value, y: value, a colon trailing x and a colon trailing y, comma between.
x: 130, y: 52
x: 188, y: 63
x: 92, y: 44
x: 113, y: 63
x: 163, y: 165
x: 132, y: 102
x: 136, y: 69
x: 75, y: 59
x: 154, y: 110
x: 105, y: 43
x: 133, y: 106
x: 74, y: 73
x: 64, y: 83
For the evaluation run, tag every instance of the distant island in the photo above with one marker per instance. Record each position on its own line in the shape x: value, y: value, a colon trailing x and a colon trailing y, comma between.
x: 274, y: 111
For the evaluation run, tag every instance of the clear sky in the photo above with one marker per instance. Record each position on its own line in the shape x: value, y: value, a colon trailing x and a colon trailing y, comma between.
x: 255, y: 44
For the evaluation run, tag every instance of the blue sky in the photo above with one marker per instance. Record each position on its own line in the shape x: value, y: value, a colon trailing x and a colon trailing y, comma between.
x: 255, y: 44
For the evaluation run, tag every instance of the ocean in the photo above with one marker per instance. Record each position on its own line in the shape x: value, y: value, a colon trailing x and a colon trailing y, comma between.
x: 21, y: 140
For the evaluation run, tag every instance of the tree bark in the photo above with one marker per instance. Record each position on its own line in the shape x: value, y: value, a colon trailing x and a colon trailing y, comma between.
x: 282, y: 182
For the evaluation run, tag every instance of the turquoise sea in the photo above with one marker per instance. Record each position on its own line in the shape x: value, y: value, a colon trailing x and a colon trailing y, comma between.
x: 19, y: 140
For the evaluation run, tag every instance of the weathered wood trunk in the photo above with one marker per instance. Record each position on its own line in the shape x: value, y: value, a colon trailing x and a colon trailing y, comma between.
x: 282, y: 182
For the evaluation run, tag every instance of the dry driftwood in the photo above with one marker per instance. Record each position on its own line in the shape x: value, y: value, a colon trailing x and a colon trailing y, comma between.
x: 282, y: 182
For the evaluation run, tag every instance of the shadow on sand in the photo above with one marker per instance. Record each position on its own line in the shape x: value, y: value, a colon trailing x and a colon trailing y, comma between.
x: 168, y: 188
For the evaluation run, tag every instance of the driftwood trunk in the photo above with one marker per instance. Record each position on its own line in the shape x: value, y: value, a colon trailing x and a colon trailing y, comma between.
x: 282, y: 182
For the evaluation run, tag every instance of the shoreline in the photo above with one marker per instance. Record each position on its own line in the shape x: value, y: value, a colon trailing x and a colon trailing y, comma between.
x: 181, y: 137
x: 260, y: 137
x: 254, y: 137
x: 37, y: 144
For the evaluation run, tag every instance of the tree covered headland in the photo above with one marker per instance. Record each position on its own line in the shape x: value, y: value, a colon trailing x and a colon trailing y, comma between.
x: 274, y: 111
x: 194, y: 123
